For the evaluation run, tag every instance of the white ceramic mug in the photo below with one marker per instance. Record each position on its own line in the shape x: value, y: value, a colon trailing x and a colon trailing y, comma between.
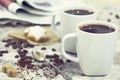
x: 95, y: 52
x: 68, y: 22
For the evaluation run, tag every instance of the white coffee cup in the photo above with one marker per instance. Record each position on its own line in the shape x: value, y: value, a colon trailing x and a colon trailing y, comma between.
x: 68, y: 22
x: 95, y: 51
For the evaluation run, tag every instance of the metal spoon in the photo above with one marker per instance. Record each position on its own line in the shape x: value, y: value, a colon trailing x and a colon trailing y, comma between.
x: 48, y: 61
x: 65, y: 76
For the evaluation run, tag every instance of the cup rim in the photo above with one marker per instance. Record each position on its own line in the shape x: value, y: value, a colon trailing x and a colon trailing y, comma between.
x: 80, y: 7
x: 97, y: 22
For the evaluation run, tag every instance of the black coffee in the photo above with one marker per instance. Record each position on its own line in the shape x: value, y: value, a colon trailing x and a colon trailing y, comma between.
x: 97, y: 28
x: 79, y: 12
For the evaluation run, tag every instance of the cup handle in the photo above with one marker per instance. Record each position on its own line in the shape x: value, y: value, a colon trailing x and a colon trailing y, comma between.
x: 54, y: 27
x: 68, y: 56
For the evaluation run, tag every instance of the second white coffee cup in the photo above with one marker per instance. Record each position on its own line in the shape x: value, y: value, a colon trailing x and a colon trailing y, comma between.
x: 68, y: 22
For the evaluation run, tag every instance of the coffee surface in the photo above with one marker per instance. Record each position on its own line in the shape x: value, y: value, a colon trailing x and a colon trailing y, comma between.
x: 94, y: 28
x: 79, y: 12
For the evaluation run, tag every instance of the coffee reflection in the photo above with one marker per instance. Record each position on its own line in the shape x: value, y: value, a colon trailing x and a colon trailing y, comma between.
x: 79, y: 12
x: 97, y: 28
